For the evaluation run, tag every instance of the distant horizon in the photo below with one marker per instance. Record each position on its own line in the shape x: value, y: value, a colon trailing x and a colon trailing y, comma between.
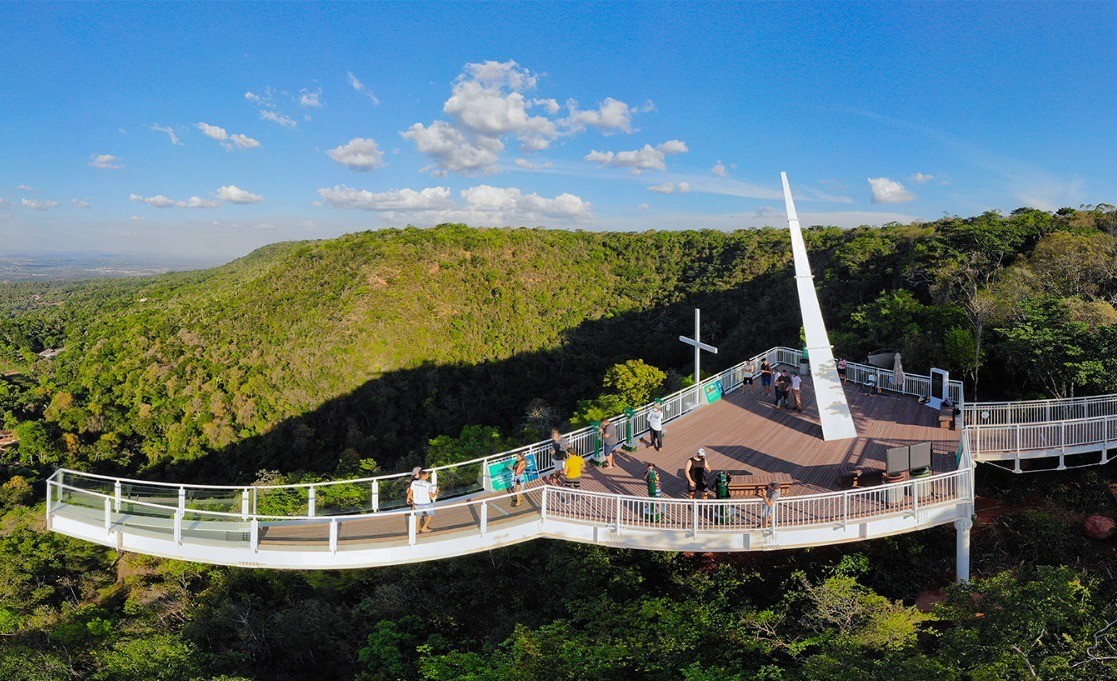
x: 206, y: 131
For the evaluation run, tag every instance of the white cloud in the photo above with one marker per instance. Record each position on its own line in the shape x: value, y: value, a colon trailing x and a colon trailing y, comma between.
x: 528, y: 165
x: 921, y: 178
x: 25, y: 188
x: 228, y: 141
x: 36, y: 204
x: 670, y: 188
x: 137, y: 218
x: 451, y: 150
x: 643, y: 206
x: 359, y: 153
x: 488, y: 103
x: 483, y: 204
x: 312, y: 99
x: 234, y: 194
x: 886, y: 190
x: 639, y: 160
x: 357, y: 85
x: 106, y: 161
x: 276, y: 117
x: 719, y: 169
x: 430, y: 198
x: 170, y: 133
x: 79, y: 203
x: 3, y: 202
x: 161, y: 201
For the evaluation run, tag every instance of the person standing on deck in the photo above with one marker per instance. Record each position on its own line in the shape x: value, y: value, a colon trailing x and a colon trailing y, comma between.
x: 420, y: 497
x: 572, y: 468
x: 783, y: 388
x: 655, y: 491
x: 696, y: 475
x: 747, y: 372
x: 842, y: 364
x: 519, y: 468
x: 771, y: 495
x: 558, y: 454
x: 609, y: 443
x: 655, y: 426
x: 766, y: 376
x: 796, y: 388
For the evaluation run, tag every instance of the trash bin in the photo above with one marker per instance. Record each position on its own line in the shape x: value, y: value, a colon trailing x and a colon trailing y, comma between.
x: 921, y: 488
x: 895, y: 495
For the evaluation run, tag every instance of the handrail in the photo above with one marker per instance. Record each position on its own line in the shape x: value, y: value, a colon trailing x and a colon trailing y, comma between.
x: 914, y: 384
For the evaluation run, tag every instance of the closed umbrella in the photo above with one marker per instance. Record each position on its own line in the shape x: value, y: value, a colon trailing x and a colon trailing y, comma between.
x: 898, y: 374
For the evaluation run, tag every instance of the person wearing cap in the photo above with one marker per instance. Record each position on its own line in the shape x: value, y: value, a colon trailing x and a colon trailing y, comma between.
x: 696, y: 475
x: 771, y: 494
x: 421, y: 495
x: 655, y: 426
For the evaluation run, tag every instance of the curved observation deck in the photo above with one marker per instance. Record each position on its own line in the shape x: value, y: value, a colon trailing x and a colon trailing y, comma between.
x: 361, y: 523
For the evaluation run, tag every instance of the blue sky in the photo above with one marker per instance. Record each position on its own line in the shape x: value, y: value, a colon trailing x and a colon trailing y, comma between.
x: 205, y: 130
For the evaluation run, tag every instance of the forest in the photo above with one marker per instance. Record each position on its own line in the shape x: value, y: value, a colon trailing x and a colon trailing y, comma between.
x: 381, y: 350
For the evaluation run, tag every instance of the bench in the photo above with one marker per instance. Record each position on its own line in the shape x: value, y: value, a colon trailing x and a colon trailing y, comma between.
x: 745, y: 484
x: 946, y: 417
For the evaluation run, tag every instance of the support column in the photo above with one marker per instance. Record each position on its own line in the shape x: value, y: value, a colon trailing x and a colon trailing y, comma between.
x: 962, y: 550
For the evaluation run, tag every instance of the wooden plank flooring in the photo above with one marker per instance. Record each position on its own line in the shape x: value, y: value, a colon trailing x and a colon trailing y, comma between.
x: 744, y: 431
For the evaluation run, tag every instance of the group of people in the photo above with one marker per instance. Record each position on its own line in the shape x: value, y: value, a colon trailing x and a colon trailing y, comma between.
x: 788, y: 386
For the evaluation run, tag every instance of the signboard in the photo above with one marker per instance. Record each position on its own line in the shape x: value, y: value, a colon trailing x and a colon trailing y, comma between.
x: 713, y: 392
x: 499, y: 473
x: 940, y: 383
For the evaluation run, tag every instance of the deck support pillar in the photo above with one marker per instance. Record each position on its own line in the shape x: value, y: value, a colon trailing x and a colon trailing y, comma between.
x: 962, y: 550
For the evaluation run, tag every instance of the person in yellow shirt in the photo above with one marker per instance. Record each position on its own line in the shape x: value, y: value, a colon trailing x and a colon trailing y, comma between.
x: 572, y: 469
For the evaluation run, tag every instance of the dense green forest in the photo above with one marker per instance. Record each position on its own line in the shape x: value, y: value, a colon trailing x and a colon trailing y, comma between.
x: 380, y: 350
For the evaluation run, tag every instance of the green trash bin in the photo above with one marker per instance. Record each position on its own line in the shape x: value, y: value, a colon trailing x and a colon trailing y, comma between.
x: 921, y: 487
x: 597, y: 450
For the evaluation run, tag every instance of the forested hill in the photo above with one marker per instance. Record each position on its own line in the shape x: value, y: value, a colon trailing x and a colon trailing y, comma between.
x: 309, y: 355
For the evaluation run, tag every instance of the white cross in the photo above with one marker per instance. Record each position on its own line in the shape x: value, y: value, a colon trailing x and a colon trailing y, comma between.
x: 699, y: 346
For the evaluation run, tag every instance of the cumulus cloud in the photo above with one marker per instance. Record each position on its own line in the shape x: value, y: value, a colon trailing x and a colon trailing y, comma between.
x: 106, y: 161
x: 922, y: 178
x: 228, y: 141
x: 310, y: 98
x: 489, y: 102
x: 639, y: 160
x: 528, y: 165
x: 36, y: 204
x: 719, y: 169
x: 359, y: 153
x: 276, y: 117
x: 161, y: 201
x: 400, y: 199
x: 357, y: 85
x: 234, y: 194
x: 79, y: 203
x: 886, y: 190
x: 170, y: 133
x: 25, y: 188
x: 480, y: 204
x: 670, y: 188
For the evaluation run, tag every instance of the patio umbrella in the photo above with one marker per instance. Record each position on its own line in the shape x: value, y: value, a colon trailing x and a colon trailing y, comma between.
x: 898, y: 374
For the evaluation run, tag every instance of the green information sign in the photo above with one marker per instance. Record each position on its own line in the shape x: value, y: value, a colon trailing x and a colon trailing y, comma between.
x: 500, y: 473
x: 713, y: 392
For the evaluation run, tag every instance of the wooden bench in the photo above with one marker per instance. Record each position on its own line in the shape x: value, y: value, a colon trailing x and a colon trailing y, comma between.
x: 745, y: 484
x: 946, y: 417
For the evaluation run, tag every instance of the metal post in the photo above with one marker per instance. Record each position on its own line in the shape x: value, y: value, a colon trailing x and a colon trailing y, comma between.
x: 434, y: 477
x: 845, y: 510
x: 116, y: 496
x: 181, y: 498
x: 254, y: 535
x: 311, y: 502
x: 244, y: 503
x: 255, y: 498
x: 962, y: 549
x: 694, y: 520
x: 108, y: 514
x: 697, y: 350
x: 333, y: 535
x: 618, y: 523
x: 178, y: 526
x: 543, y: 504
x: 484, y: 517
x: 49, y: 494
x: 411, y: 528
x: 375, y: 495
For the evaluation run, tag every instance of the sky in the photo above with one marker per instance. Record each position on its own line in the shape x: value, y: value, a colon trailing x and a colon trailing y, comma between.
x: 205, y: 130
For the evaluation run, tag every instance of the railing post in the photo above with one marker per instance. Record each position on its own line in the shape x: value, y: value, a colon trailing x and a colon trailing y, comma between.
x: 49, y: 495
x: 254, y: 535
x: 914, y: 499
x: 375, y: 495
x: 434, y: 478
x: 182, y: 498
x: 484, y: 517
x: 543, y: 503
x: 411, y: 528
x: 108, y: 514
x: 244, y: 503
x: 311, y: 501
x: 178, y: 525
x: 618, y: 522
x: 116, y: 495
x: 1062, y: 445
x: 255, y: 499
x: 845, y: 510
x: 694, y: 519
x: 333, y: 535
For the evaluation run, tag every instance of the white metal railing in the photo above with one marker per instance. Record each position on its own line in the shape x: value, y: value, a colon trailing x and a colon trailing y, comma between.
x: 600, y: 509
x: 463, y: 479
x: 1052, y: 438
x: 1040, y: 411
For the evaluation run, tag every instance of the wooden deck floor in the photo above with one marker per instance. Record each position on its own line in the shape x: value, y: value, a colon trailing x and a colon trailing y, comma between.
x: 744, y: 432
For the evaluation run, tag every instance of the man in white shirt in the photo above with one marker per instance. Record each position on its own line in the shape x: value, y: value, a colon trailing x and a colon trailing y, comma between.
x: 420, y: 497
x: 655, y: 426
x: 796, y: 386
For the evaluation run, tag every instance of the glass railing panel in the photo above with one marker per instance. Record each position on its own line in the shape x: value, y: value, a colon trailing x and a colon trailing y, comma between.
x: 343, y: 498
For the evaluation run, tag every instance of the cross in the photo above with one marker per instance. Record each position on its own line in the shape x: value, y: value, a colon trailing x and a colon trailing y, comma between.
x: 699, y: 346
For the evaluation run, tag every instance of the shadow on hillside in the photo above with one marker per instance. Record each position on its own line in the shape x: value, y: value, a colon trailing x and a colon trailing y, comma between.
x: 391, y: 418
